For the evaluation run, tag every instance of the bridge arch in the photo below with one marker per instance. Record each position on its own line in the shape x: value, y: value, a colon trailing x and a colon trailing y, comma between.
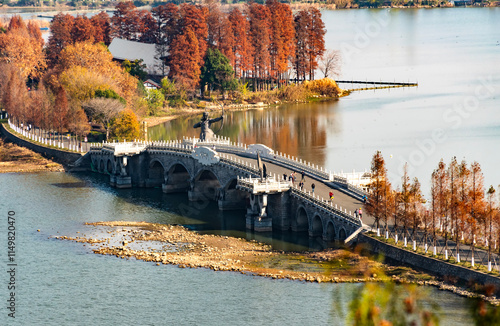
x: 231, y: 198
x: 316, y: 226
x: 330, y: 232
x: 205, y: 185
x: 342, y: 234
x: 301, y: 220
x: 156, y: 173
x: 109, y: 166
x: 177, y: 178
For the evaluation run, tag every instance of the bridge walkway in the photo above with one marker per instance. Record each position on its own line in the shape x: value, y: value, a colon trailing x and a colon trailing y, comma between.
x: 322, y: 189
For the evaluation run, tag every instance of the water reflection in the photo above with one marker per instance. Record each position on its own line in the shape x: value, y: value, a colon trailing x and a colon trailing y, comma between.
x: 296, y: 129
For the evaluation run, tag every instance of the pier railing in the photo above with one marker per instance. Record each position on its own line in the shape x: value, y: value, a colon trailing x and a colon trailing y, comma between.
x: 242, y: 165
x: 223, y: 144
x: 271, y: 185
x: 47, y: 141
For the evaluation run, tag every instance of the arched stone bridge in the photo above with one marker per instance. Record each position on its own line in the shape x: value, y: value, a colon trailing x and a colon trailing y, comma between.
x: 227, y: 173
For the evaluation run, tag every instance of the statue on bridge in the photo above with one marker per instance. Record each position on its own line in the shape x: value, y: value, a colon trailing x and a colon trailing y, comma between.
x: 206, y: 134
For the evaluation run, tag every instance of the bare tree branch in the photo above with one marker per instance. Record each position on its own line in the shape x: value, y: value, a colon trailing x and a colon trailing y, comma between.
x: 329, y: 63
x: 103, y: 110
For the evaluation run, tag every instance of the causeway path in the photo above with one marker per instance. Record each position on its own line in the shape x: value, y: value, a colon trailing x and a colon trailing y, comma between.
x: 322, y: 189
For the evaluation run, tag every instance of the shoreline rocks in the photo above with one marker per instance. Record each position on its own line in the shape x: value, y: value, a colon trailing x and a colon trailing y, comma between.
x: 176, y: 245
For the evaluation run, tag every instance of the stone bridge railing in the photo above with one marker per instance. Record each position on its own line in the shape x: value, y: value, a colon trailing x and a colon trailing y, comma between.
x: 138, y: 146
x: 269, y: 185
x: 221, y: 144
x: 325, y: 205
x: 294, y: 163
x: 31, y: 135
x: 244, y: 166
x: 224, y: 145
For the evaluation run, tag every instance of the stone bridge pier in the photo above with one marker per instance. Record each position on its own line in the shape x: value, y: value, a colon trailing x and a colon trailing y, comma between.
x: 256, y: 216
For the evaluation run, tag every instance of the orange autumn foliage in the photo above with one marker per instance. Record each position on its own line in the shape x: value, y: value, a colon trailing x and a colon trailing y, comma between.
x: 22, y: 47
x: 97, y: 59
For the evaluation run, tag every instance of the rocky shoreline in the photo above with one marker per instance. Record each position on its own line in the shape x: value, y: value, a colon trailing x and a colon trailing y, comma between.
x: 176, y: 245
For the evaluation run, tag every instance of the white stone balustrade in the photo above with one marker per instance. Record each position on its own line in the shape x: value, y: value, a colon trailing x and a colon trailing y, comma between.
x: 268, y: 185
x: 326, y: 205
x: 352, y: 181
x: 31, y: 134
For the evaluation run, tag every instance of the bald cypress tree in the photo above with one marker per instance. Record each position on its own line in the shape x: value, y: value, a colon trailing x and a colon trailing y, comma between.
x: 477, y: 203
x: 379, y: 190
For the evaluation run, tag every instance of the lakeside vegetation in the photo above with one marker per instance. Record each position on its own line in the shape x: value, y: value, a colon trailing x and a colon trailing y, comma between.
x: 256, y: 98
x: 460, y: 209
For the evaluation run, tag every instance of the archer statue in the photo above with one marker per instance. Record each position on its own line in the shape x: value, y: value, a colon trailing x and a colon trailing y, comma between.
x: 206, y: 134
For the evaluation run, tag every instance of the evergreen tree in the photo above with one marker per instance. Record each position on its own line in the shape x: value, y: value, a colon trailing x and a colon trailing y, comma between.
x: 217, y: 72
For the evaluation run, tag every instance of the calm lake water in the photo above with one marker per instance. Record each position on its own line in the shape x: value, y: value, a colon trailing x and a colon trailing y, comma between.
x: 64, y: 283
x: 454, y: 55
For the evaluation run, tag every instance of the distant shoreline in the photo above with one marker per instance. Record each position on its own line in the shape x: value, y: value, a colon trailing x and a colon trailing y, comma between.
x: 294, y: 6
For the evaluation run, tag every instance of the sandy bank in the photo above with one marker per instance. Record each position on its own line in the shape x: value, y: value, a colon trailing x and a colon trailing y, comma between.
x: 14, y: 158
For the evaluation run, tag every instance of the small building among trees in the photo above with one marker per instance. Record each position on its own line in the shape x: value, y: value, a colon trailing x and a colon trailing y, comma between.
x: 151, y: 84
